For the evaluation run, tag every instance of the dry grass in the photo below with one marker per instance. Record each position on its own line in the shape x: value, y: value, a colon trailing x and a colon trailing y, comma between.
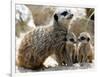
x: 41, y: 14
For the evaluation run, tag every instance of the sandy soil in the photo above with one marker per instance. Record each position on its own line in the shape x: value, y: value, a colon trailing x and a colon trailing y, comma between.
x: 59, y: 68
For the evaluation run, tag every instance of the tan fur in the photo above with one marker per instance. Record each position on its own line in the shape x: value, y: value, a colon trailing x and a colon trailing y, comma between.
x: 85, y: 50
x: 69, y: 51
x: 35, y: 48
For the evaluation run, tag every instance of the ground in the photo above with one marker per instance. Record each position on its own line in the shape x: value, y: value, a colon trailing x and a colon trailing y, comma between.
x: 59, y: 68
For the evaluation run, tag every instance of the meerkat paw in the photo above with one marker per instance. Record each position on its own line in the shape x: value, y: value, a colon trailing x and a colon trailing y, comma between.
x: 50, y: 62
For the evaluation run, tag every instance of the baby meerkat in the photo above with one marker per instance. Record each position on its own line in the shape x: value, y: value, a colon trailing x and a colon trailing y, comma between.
x: 69, y: 52
x: 44, y: 41
x: 85, y: 48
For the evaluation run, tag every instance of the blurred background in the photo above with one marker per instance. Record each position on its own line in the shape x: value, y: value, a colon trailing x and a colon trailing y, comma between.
x: 29, y: 16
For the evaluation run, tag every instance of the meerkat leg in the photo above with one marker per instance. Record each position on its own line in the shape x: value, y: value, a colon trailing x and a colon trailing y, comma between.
x: 71, y: 60
x: 74, y: 57
x: 60, y: 56
x: 68, y: 59
x: 80, y: 58
x: 59, y: 59
x: 89, y: 60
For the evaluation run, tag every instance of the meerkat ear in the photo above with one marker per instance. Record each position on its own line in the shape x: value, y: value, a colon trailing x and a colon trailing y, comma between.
x: 88, y: 39
x: 56, y: 17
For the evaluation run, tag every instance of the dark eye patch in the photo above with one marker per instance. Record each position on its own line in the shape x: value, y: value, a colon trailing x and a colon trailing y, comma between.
x: 56, y: 17
x: 71, y: 39
x: 88, y: 39
x: 64, y: 13
x: 65, y: 39
x: 82, y: 38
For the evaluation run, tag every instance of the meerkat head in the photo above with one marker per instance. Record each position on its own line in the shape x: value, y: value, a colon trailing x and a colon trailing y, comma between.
x: 63, y: 17
x: 71, y: 38
x: 84, y: 37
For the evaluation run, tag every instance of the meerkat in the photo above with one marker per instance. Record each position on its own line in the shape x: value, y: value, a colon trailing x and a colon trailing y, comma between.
x: 70, y: 49
x: 43, y: 41
x: 85, y: 48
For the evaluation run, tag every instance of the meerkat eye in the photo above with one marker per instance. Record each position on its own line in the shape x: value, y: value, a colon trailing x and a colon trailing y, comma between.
x: 64, y: 13
x: 82, y: 38
x: 71, y: 39
x: 88, y: 39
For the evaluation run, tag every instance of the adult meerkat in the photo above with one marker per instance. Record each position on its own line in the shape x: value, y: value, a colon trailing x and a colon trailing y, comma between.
x: 43, y: 41
x: 85, y: 48
x: 69, y: 52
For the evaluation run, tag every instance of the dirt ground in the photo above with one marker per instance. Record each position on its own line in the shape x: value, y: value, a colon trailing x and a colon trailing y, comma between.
x: 59, y: 68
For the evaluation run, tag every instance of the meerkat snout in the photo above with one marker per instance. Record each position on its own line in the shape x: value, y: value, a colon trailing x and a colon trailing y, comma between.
x: 70, y: 16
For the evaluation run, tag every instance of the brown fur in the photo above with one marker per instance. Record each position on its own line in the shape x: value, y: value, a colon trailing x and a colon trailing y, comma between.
x: 40, y: 43
x: 85, y: 50
x: 85, y: 53
x: 69, y: 50
x: 44, y: 41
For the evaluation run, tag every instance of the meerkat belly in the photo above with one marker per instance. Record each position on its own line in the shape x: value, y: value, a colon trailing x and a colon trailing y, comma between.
x: 48, y: 42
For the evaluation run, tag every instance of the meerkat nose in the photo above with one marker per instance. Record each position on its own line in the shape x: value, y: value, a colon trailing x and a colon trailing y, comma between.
x: 75, y: 42
x: 71, y: 15
x: 78, y: 40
